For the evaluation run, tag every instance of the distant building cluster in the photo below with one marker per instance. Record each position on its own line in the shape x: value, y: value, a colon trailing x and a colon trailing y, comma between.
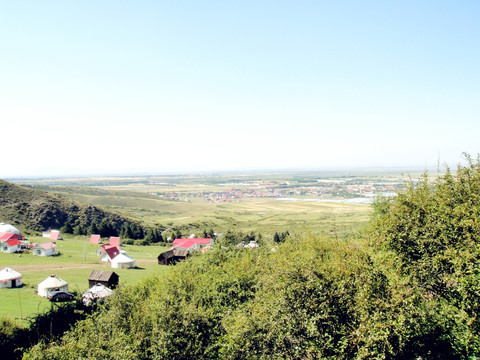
x: 322, y: 188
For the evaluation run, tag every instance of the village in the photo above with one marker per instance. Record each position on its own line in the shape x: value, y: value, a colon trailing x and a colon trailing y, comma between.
x: 102, y: 282
x: 318, y: 189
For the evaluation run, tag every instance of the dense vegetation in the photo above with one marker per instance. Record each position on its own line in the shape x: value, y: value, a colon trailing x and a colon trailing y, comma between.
x: 37, y: 210
x: 408, y: 289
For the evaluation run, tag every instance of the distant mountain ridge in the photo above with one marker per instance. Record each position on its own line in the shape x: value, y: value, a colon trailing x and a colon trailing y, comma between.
x: 37, y: 210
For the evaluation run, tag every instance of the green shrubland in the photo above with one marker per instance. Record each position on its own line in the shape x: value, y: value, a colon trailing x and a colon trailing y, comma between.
x: 407, y: 288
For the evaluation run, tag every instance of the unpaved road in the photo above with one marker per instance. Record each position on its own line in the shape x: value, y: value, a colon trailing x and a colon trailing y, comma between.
x: 27, y: 268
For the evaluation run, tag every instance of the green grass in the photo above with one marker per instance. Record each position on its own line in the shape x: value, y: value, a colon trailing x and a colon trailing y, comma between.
x: 264, y: 215
x: 74, y: 264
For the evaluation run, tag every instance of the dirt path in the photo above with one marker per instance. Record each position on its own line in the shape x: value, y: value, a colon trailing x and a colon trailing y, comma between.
x: 27, y: 268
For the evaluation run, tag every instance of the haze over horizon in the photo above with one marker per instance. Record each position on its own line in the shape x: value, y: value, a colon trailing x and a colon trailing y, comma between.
x: 167, y: 87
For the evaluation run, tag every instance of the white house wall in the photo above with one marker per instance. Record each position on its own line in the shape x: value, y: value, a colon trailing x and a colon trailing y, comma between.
x: 8, y: 284
x: 10, y: 249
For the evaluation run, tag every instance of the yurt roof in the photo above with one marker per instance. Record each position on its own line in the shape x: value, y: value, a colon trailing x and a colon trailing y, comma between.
x: 9, y: 274
x: 7, y: 228
x: 52, y: 281
x: 98, y: 291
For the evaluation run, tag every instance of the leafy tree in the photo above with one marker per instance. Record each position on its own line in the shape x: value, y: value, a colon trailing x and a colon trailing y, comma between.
x: 158, y: 235
x: 78, y: 230
x: 93, y: 229
x: 67, y: 228
x: 276, y: 237
x: 149, y: 236
x: 178, y: 234
x: 126, y: 231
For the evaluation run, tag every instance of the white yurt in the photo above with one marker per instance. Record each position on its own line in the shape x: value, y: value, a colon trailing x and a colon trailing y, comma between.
x: 10, y: 278
x: 10, y: 229
x: 123, y: 261
x: 51, y: 285
x: 96, y: 293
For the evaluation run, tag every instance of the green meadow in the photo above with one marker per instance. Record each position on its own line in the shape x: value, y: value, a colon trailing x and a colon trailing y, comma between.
x: 261, y: 215
x: 76, y: 260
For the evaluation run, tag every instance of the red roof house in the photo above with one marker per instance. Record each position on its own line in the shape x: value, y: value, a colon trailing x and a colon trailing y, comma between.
x: 197, y: 241
x: 10, y: 236
x: 115, y: 241
x: 110, y: 253
x: 191, y: 244
x: 11, y: 246
x: 45, y: 249
x: 94, y: 239
x: 55, y: 235
x: 102, y: 248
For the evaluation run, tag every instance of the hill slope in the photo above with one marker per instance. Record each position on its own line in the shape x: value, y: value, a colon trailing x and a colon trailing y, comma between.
x: 37, y: 210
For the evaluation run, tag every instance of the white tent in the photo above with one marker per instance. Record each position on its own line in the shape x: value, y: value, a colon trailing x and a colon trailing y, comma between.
x: 95, y: 293
x: 252, y: 244
x: 123, y: 261
x: 51, y: 285
x: 10, y: 278
x: 7, y: 228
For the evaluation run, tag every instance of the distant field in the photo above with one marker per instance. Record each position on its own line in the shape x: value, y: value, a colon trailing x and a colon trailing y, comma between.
x: 73, y: 265
x: 263, y: 215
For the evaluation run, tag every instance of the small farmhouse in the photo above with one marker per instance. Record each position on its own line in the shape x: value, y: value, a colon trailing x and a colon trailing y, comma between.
x: 95, y: 239
x: 114, y: 241
x: 172, y: 256
x: 55, y: 235
x: 181, y: 249
x: 123, y: 261
x: 103, y: 277
x: 45, y: 249
x: 11, y: 246
x: 9, y: 236
x: 192, y: 244
x: 10, y: 278
x: 51, y: 285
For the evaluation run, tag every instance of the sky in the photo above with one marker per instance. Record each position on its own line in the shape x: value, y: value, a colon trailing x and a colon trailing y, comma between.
x: 152, y: 87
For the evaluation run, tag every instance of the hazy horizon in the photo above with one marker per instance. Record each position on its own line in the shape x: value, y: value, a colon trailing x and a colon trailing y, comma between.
x: 355, y: 171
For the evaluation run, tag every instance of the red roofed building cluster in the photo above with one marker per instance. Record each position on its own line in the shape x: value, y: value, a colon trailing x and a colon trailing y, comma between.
x: 192, y: 244
x: 182, y: 248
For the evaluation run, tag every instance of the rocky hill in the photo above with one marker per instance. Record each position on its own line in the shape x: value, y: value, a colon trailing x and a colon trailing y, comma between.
x: 36, y: 210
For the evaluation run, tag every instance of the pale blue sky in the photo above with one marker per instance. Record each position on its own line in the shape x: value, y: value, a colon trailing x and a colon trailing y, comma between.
x: 99, y: 87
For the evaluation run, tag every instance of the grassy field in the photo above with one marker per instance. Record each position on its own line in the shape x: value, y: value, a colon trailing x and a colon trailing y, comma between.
x: 262, y: 215
x: 76, y: 260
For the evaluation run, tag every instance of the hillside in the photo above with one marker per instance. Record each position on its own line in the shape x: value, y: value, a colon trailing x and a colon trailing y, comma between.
x: 36, y: 210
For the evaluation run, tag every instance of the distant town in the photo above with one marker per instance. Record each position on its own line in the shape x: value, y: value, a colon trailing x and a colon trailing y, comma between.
x: 331, y: 189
